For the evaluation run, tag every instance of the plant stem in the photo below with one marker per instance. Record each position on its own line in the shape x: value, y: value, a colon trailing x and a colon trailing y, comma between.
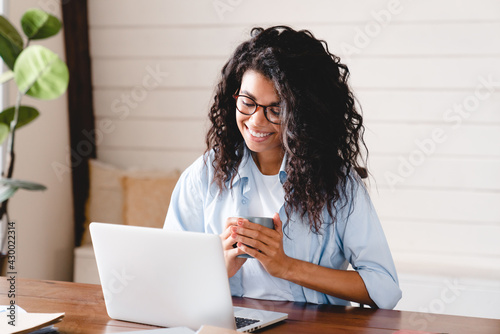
x: 10, y: 157
x: 4, y: 228
x: 12, y: 134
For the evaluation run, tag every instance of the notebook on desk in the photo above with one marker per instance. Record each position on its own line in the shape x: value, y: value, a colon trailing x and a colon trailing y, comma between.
x: 168, y: 278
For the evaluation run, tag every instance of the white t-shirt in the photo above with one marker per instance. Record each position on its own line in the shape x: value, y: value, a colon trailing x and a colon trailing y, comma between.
x: 256, y: 281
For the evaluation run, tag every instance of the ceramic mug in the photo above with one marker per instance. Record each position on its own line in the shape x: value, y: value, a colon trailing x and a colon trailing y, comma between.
x: 264, y: 221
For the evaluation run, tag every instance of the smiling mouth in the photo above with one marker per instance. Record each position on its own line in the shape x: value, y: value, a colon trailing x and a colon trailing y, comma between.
x: 259, y: 134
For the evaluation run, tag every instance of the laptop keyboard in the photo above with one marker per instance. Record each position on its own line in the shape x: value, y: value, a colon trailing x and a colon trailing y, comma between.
x: 242, y: 322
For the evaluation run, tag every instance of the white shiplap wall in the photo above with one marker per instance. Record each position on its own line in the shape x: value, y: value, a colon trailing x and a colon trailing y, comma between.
x: 427, y: 74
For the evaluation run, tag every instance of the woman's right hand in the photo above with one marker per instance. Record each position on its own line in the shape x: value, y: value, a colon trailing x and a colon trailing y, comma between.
x: 233, y: 263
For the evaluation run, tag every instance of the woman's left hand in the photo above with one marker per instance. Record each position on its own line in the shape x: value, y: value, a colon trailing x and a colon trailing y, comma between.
x: 267, y: 244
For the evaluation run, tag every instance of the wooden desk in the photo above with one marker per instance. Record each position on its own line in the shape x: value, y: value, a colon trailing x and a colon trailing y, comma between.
x: 86, y: 313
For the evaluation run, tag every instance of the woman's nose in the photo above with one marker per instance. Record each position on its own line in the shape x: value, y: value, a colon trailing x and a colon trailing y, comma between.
x: 259, y: 117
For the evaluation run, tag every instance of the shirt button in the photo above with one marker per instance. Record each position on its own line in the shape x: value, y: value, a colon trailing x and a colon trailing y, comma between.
x: 244, y: 201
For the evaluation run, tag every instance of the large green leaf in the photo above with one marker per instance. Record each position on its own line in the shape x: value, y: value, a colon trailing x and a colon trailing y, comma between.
x: 4, y: 132
x: 26, y: 115
x: 40, y: 73
x: 8, y: 187
x: 38, y: 24
x: 11, y: 43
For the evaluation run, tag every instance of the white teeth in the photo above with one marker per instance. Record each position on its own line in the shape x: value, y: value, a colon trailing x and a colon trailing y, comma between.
x: 259, y: 134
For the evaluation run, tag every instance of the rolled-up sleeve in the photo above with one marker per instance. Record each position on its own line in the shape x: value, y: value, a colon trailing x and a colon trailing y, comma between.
x: 366, y: 248
x: 185, y: 211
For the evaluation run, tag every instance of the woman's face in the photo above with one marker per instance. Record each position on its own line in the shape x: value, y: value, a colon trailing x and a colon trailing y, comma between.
x: 260, y: 135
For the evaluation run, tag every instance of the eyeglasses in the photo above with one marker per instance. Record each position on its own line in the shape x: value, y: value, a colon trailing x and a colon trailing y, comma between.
x: 247, y: 106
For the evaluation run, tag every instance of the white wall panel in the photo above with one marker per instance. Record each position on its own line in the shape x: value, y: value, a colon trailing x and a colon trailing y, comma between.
x: 158, y: 103
x: 438, y: 205
x: 195, y: 12
x: 459, y: 173
x: 149, y: 159
x: 172, y: 73
x: 165, y: 42
x: 394, y: 74
x: 419, y: 141
x: 425, y: 72
x: 427, y: 237
x: 146, y: 134
x: 411, y: 39
x: 439, y: 105
x: 436, y: 264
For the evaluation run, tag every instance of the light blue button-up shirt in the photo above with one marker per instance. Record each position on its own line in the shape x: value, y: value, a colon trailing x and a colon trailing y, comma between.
x: 356, y: 237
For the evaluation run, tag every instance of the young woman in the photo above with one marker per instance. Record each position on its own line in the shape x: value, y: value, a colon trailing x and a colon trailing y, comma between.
x: 286, y: 142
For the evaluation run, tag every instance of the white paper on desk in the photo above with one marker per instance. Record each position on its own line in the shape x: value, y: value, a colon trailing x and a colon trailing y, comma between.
x: 215, y: 330
x: 3, y: 308
x: 26, y: 322
x: 171, y: 330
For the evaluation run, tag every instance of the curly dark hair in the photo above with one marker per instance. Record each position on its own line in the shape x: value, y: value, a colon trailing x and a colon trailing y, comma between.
x: 322, y: 131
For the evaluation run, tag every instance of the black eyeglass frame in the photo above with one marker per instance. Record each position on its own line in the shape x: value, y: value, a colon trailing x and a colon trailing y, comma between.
x: 235, y: 97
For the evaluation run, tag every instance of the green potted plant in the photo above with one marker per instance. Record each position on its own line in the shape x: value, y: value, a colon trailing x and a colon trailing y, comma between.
x: 37, y: 72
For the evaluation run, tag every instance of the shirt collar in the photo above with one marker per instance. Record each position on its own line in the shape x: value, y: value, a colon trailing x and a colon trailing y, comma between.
x: 244, y: 168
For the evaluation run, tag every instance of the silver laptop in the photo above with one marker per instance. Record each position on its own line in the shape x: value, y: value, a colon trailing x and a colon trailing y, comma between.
x: 169, y: 278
